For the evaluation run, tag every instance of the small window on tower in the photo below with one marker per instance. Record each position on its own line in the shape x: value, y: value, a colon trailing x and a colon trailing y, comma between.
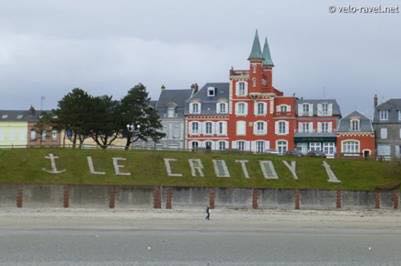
x: 254, y: 82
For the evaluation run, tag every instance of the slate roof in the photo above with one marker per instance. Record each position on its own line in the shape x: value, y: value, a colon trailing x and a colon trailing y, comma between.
x: 208, y: 104
x: 365, y: 123
x: 175, y: 98
x: 20, y: 115
x: 393, y: 106
x: 267, y: 59
x: 315, y: 102
x: 256, y: 52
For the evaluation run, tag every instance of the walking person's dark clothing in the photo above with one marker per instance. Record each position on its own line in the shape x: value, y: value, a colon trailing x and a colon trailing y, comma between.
x: 207, y: 213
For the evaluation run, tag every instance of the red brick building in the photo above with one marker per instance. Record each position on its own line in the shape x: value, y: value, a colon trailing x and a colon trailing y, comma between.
x: 355, y: 136
x: 261, y: 118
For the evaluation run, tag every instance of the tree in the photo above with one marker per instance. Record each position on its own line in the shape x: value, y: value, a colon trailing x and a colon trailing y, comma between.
x: 46, y: 121
x: 104, y: 124
x: 135, y: 109
x: 73, y: 115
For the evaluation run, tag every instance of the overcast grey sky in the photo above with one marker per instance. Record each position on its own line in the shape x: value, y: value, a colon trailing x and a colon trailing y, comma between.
x: 106, y: 47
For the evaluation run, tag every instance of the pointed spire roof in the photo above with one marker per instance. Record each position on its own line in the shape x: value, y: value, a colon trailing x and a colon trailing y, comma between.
x: 267, y: 59
x: 256, y: 52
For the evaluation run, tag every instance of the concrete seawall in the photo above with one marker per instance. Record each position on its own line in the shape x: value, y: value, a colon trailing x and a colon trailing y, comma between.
x: 85, y: 196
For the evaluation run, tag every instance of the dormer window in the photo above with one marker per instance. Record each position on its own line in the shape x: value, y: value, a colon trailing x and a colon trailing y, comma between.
x: 171, y: 112
x: 211, y: 92
x: 283, y: 108
x: 4, y: 116
x: 20, y: 117
x: 194, y: 108
x: 383, y: 115
x: 399, y: 115
x: 355, y: 125
x: 305, y: 108
x: 221, y: 108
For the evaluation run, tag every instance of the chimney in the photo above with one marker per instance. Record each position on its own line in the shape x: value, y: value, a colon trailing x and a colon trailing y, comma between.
x: 194, y: 88
x: 163, y: 87
x: 375, y: 100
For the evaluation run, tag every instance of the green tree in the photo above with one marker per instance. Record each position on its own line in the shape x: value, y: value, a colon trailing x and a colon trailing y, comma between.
x: 74, y: 114
x: 104, y: 124
x: 136, y: 110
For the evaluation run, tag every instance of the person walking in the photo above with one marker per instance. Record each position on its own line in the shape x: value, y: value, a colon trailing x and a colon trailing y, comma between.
x: 207, y: 213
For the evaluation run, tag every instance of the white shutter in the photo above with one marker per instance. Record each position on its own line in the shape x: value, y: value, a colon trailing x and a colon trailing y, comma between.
x: 214, y: 129
x: 234, y: 145
x: 319, y: 127
x: 253, y: 146
x: 289, y: 108
x: 276, y: 127
x: 319, y: 109
x: 330, y: 127
x: 225, y: 128
x: 300, y: 110
x: 255, y: 108
x: 310, y: 109
x: 287, y: 127
x: 202, y: 128
x: 311, y: 129
x: 246, y: 108
x: 330, y: 109
x: 278, y: 108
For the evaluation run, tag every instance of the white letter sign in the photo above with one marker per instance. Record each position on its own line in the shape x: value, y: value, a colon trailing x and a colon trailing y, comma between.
x: 196, y: 167
x: 292, y: 167
x: 243, y: 166
x: 117, y: 167
x: 220, y: 168
x: 167, y: 165
x: 332, y: 177
x: 92, y: 167
x: 268, y: 170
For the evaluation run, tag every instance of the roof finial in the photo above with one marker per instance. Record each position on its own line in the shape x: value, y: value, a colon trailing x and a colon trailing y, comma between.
x: 256, y: 52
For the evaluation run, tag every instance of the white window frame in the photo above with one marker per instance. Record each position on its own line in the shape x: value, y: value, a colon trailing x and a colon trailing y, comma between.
x: 399, y: 115
x: 241, y: 88
x: 278, y: 129
x: 256, y: 108
x: 243, y: 126
x: 325, y: 127
x: 383, y: 133
x: 260, y: 130
x: 383, y: 115
x: 219, y: 108
x: 260, y: 146
x: 240, y: 145
x: 197, y: 131
x: 357, y: 123
x: 192, y: 107
x: 171, y: 112
x: 208, y: 130
x: 222, y: 145
x: 282, y: 146
x: 315, y: 146
x: 237, y: 108
x: 221, y: 128
x: 329, y: 147
x: 350, y: 146
x: 211, y: 91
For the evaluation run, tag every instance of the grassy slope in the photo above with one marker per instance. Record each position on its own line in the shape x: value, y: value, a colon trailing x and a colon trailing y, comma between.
x: 147, y: 168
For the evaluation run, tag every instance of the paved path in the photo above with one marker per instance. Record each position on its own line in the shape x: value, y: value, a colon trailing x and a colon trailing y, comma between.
x: 183, y: 238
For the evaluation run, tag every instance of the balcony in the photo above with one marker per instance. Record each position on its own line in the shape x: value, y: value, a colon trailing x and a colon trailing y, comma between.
x: 287, y: 114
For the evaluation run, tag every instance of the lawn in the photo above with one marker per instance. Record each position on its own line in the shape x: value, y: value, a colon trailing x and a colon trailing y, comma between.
x: 146, y: 168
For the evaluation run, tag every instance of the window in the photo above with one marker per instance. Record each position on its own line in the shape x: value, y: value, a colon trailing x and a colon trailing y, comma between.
x: 329, y: 147
x: 209, y: 128
x: 221, y: 108
x: 383, y: 133
x: 254, y: 82
x: 195, y: 128
x: 221, y: 128
x: 282, y: 146
x: 195, y: 108
x: 171, y: 112
x: 399, y: 115
x: 33, y: 134
x: 325, y: 109
x: 54, y: 134
x: 325, y: 127
x: 211, y: 91
x: 354, y: 125
x: 260, y: 109
x: 222, y: 145
x: 400, y: 133
x: 4, y: 116
x: 208, y: 145
x: 315, y: 146
x: 305, y: 108
x: 241, y: 88
x: 260, y: 146
x: 195, y: 145
x: 304, y: 127
x: 20, y: 117
x: 283, y: 108
x: 260, y: 128
x: 241, y: 128
x: 241, y: 145
x: 383, y: 114
x: 254, y: 68
x: 241, y: 108
x: 282, y: 127
x: 350, y: 146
